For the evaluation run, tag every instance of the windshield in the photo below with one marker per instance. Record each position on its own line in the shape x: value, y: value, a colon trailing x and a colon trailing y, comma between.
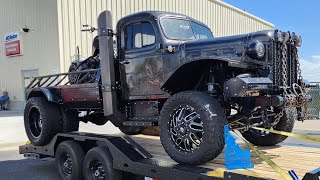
x: 184, y: 29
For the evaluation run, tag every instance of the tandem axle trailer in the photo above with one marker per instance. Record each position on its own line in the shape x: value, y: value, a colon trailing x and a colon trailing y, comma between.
x: 126, y: 156
x: 96, y: 156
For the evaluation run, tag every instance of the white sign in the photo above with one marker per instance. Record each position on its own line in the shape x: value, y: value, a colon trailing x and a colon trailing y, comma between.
x: 12, y: 43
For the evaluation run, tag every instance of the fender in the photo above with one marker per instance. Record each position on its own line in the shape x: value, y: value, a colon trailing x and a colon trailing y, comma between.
x: 41, y: 91
x: 188, y: 74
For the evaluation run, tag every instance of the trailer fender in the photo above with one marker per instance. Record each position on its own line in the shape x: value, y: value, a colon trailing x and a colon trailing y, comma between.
x: 51, y: 97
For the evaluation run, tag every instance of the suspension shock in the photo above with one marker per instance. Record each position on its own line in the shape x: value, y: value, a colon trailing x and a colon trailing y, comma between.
x: 212, y: 86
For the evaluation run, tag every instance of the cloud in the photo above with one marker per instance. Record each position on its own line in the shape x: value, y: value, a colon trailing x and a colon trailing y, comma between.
x: 311, y: 69
x: 317, y: 57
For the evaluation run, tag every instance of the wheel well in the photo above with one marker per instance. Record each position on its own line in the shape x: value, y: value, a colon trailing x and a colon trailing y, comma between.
x: 189, y: 75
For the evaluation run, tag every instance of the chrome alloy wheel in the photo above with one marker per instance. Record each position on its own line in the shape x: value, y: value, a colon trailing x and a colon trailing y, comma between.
x: 186, y: 129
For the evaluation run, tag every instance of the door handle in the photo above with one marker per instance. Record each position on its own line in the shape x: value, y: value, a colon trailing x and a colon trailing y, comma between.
x: 124, y: 62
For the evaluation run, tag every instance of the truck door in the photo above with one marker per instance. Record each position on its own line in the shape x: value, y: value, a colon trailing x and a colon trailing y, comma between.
x: 142, y: 65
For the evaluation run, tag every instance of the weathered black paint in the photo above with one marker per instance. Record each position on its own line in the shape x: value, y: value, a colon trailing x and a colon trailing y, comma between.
x: 154, y: 73
x: 147, y: 69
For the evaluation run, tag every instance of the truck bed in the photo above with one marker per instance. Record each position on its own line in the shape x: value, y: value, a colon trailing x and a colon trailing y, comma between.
x: 300, y: 159
x: 81, y: 94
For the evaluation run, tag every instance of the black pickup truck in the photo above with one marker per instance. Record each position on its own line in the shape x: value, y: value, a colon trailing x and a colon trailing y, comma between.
x: 168, y: 70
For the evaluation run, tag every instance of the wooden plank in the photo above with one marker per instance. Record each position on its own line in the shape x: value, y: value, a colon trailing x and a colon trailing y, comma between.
x: 300, y: 159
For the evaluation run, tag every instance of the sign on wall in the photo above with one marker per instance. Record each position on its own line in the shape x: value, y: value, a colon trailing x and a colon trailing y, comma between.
x: 13, y: 44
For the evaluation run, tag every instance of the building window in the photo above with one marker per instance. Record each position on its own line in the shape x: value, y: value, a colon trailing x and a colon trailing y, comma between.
x: 139, y: 35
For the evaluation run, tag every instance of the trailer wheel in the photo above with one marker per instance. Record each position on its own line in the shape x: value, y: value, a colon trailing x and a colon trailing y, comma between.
x: 261, y: 138
x: 98, y: 165
x: 41, y: 120
x: 69, y: 159
x: 70, y: 120
x: 132, y: 130
x: 191, y: 127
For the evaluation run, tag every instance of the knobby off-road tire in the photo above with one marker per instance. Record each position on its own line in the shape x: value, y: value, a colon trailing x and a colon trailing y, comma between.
x: 41, y: 120
x: 98, y: 165
x: 286, y: 124
x: 212, y: 117
x: 70, y: 120
x: 69, y: 160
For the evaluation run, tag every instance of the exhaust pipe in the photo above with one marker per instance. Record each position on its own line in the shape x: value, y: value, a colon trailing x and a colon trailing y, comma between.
x: 107, y: 63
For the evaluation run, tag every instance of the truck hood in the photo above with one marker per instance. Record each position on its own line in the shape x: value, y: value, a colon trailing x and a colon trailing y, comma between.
x: 229, y: 48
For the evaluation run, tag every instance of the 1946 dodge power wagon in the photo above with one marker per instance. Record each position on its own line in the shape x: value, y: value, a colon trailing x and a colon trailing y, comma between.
x: 168, y: 70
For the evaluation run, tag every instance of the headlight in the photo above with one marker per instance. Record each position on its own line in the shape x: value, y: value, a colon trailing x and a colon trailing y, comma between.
x: 256, y: 50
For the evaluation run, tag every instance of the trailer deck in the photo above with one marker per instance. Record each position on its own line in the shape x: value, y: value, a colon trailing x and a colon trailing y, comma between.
x: 144, y: 155
x: 299, y: 159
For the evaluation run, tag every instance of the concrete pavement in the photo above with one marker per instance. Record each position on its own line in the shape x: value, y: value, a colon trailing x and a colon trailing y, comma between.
x: 12, y: 133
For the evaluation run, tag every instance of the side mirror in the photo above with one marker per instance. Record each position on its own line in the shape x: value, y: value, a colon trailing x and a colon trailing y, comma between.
x: 88, y: 28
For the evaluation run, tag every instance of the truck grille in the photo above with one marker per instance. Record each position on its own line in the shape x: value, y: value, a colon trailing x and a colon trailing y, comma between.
x: 284, y: 73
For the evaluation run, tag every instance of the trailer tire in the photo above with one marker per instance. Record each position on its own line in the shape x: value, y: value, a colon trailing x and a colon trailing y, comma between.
x: 286, y: 124
x: 69, y: 153
x: 204, y: 129
x: 70, y: 120
x: 132, y: 130
x: 98, y: 159
x: 41, y: 120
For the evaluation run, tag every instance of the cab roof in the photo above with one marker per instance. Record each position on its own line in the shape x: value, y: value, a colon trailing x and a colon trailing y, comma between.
x: 156, y: 14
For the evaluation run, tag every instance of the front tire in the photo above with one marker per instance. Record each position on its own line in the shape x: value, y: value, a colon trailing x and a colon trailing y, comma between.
x: 286, y: 124
x: 191, y: 127
x: 41, y: 120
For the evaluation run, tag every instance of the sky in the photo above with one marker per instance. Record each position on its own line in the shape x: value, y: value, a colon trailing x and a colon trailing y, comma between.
x: 302, y: 17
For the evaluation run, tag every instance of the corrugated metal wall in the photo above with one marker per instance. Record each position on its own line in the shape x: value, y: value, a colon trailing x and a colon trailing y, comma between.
x: 222, y: 18
x: 56, y: 26
x: 40, y: 46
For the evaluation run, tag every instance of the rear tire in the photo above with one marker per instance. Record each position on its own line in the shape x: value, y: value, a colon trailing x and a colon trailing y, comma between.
x: 286, y: 124
x: 69, y: 160
x: 41, y: 120
x: 70, y: 120
x: 98, y: 163
x: 191, y: 127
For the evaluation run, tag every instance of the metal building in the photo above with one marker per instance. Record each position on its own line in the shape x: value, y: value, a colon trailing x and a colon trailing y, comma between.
x: 48, y: 32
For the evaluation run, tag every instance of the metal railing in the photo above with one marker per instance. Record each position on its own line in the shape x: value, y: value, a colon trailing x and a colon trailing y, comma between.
x: 77, y: 77
x: 314, y: 106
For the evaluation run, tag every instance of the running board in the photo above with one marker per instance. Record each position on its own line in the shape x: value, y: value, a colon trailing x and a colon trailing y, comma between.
x: 139, y: 123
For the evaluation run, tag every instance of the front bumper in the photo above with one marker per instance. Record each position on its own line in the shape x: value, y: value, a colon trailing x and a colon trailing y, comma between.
x: 248, y: 92
x: 243, y: 87
x: 252, y: 92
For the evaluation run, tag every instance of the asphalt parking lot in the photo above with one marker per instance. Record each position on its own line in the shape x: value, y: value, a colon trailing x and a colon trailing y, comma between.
x: 14, y: 166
